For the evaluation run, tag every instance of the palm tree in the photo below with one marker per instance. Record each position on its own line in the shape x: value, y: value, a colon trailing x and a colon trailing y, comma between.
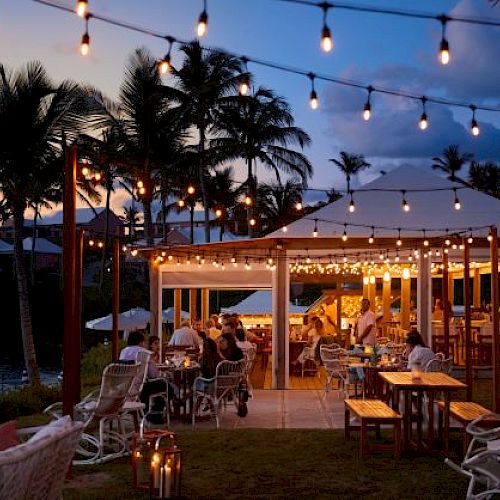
x: 130, y: 218
x: 260, y: 127
x: 33, y: 111
x: 277, y: 202
x: 204, y: 78
x: 485, y: 177
x: 452, y: 161
x: 349, y: 165
x: 147, y: 124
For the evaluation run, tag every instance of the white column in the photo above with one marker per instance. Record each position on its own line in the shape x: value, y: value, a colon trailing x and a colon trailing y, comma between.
x: 281, y: 300
x: 424, y: 300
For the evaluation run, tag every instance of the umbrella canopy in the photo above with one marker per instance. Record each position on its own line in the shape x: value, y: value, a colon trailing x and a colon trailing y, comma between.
x: 126, y: 321
x: 168, y: 315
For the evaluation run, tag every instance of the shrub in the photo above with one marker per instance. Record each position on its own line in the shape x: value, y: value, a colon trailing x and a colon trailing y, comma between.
x: 27, y: 400
x: 94, y: 361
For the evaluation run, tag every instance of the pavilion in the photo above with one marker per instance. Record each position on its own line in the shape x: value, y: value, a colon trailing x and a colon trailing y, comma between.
x: 409, y: 222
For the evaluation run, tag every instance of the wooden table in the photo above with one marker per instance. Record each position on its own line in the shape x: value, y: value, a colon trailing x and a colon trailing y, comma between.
x: 181, y: 379
x: 430, y: 383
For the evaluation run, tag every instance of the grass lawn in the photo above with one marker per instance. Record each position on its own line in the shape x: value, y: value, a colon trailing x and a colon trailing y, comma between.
x: 267, y: 463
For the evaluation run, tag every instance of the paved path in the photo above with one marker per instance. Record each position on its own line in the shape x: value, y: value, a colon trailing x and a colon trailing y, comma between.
x: 292, y: 409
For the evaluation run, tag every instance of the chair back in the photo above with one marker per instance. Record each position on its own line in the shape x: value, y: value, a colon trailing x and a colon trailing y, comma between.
x: 228, y: 376
x: 142, y: 360
x: 115, y: 386
x: 439, y: 364
x: 331, y: 358
x: 249, y: 353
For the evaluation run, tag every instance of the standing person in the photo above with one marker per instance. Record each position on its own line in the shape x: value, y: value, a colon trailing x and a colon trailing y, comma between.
x: 228, y: 348
x: 365, y: 330
x: 185, y: 335
x: 211, y: 330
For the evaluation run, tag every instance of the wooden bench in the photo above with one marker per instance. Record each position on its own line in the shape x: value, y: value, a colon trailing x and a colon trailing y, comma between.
x: 373, y: 412
x: 463, y: 412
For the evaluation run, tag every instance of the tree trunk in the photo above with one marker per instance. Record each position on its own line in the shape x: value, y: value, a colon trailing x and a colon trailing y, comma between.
x: 164, y: 217
x: 191, y: 222
x: 23, y: 294
x: 106, y: 230
x: 250, y: 192
x: 33, y: 248
x: 146, y: 204
x: 201, y: 173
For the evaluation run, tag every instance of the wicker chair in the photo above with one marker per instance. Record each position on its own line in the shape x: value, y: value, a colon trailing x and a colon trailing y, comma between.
x: 335, y: 368
x: 217, y: 390
x: 250, y: 354
x: 99, y: 442
x: 37, y: 469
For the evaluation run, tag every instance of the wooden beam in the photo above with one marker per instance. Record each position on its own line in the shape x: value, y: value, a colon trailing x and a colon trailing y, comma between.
x: 495, y: 319
x: 205, y: 304
x: 476, y: 295
x: 78, y: 309
x: 154, y: 302
x: 115, y: 310
x: 445, y: 299
x: 405, y: 303
x: 193, y: 315
x: 386, y: 303
x: 177, y: 307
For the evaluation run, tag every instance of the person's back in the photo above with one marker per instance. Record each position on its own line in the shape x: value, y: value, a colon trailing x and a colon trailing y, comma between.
x: 185, y: 336
x: 420, y: 356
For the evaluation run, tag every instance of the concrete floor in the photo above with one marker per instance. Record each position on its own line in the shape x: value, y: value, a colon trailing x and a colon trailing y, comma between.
x: 291, y: 409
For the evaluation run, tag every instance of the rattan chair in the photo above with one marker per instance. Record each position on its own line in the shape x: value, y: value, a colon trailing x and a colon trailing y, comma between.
x: 335, y: 368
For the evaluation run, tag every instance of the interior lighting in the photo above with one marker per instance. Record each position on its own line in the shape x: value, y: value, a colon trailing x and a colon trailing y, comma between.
x: 444, y: 48
x: 218, y: 213
x: 85, y: 42
x: 313, y: 96
x: 474, y: 127
x: 82, y: 7
x: 387, y: 276
x: 371, y: 279
x: 406, y: 273
x: 326, y: 36
x: 424, y: 122
x: 201, y: 28
x: 367, y: 110
x: 456, y: 202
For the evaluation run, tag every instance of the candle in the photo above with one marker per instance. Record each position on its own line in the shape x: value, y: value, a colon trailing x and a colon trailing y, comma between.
x: 155, y: 470
x: 168, y: 480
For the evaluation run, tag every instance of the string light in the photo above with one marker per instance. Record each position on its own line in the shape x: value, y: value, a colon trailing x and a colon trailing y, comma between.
x: 326, y: 36
x: 97, y: 176
x: 344, y: 236
x: 426, y: 241
x: 352, y: 206
x: 91, y: 243
x: 164, y: 66
x: 218, y: 213
x: 371, y: 239
x: 201, y: 28
x: 247, y: 264
x: 191, y: 189
x: 134, y: 252
x: 474, y: 127
x: 444, y: 48
x: 456, y: 202
x: 85, y: 43
x: 399, y: 242
x: 252, y: 222
x: 470, y: 239
x: 313, y: 97
x: 248, y: 200
x: 315, y: 230
x: 405, y: 205
x: 245, y: 79
x: 298, y: 206
x: 82, y: 7
x: 490, y: 237
x: 423, y: 123
x: 284, y: 229
x: 181, y: 203
x: 367, y: 110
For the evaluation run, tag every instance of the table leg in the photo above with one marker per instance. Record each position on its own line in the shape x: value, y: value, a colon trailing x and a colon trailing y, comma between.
x: 420, y: 416
x: 364, y: 437
x: 407, y: 419
x: 347, y: 423
x: 430, y: 423
x: 446, y: 421
x: 397, y: 439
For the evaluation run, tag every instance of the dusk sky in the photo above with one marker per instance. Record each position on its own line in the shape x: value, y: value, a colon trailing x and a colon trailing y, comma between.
x: 389, y: 51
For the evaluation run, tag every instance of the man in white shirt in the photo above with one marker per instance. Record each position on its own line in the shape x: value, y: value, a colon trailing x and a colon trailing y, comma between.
x: 365, y: 330
x: 185, y: 335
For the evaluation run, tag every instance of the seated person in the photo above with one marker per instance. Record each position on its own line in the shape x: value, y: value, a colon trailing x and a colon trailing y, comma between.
x: 211, y: 330
x: 437, y: 312
x: 241, y: 340
x: 185, y: 335
x: 416, y: 352
x: 228, y: 349
x: 154, y: 347
x: 315, y: 336
x: 153, y: 384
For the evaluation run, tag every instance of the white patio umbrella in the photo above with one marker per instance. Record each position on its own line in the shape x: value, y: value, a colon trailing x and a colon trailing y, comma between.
x: 168, y: 315
x: 126, y: 323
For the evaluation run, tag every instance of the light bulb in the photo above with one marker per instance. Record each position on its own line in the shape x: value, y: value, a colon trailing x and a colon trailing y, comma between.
x: 85, y: 44
x: 245, y: 85
x: 426, y: 243
x: 470, y: 239
x: 406, y: 206
x: 489, y: 238
x: 406, y: 273
x: 91, y: 243
x: 367, y: 111
x: 344, y: 236
x: 313, y: 100
x: 352, y: 206
x: 387, y: 276
x: 474, y: 128
x: 423, y: 123
x: 457, y: 204
x: 444, y: 52
x: 218, y: 213
x: 142, y: 190
x: 284, y: 229
x: 370, y: 240
x: 399, y: 243
x: 82, y: 7
x: 248, y: 200
x: 181, y: 203
x: 201, y: 28
x: 140, y: 184
x: 164, y: 65
x: 190, y: 190
x: 97, y: 176
x: 252, y: 222
x: 447, y: 242
x: 85, y: 171
x: 315, y: 233
x: 298, y: 206
x: 326, y: 39
x: 372, y: 279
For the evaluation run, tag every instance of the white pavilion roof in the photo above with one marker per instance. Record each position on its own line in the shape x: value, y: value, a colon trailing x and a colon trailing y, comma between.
x: 260, y: 302
x: 432, y: 211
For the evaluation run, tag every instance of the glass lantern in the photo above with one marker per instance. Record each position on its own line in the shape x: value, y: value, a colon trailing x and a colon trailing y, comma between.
x: 166, y: 469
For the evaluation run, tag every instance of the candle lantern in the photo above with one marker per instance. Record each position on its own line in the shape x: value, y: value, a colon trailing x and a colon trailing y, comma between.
x: 166, y: 469
x: 146, y: 452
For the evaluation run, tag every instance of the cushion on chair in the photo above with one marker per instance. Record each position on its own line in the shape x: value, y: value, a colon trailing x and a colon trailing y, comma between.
x: 8, y: 435
x: 52, y: 428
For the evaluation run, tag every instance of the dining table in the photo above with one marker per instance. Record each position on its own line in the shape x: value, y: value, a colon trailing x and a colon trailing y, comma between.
x: 181, y: 379
x: 429, y: 384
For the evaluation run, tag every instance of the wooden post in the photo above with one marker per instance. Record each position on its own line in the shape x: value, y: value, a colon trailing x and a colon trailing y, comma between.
x: 451, y: 289
x: 115, y: 299
x: 193, y: 315
x: 424, y: 293
x: 372, y: 294
x: 177, y: 307
x: 339, y: 315
x: 71, y: 370
x: 476, y: 295
x: 467, y: 312
x: 154, y: 305
x: 495, y: 319
x: 446, y: 310
x: 386, y: 303
x: 280, y: 333
x: 205, y: 304
x: 365, y: 286
x: 405, y: 303
x: 78, y: 308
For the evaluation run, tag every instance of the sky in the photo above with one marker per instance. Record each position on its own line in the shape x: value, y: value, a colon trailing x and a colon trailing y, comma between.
x: 388, y: 51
